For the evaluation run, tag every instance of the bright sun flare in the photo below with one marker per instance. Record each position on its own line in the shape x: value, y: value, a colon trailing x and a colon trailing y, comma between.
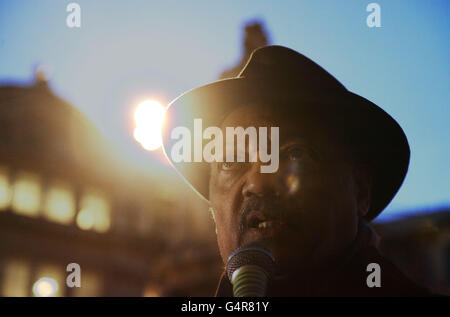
x: 149, y: 118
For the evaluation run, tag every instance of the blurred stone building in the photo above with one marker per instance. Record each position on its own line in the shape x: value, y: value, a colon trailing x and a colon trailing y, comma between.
x: 420, y: 245
x: 66, y: 197
x: 255, y: 36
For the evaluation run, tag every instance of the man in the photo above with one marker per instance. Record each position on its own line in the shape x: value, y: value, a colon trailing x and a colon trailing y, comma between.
x: 341, y: 161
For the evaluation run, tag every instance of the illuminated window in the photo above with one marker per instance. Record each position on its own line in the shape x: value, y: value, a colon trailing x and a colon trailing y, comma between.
x: 5, y: 190
x: 152, y: 290
x: 45, y: 287
x: 26, y: 194
x: 15, y: 278
x: 50, y: 281
x: 59, y: 203
x: 91, y: 285
x: 94, y: 213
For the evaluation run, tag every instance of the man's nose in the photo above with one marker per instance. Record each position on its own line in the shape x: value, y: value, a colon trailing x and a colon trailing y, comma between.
x: 259, y: 184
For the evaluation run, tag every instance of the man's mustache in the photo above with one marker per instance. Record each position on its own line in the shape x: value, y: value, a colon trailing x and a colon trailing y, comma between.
x: 272, y: 207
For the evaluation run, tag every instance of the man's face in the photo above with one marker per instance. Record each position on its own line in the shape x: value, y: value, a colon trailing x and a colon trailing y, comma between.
x: 305, y: 213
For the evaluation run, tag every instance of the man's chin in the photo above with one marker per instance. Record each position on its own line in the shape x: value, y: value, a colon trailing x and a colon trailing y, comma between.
x: 273, y: 243
x: 253, y: 236
x: 289, y: 256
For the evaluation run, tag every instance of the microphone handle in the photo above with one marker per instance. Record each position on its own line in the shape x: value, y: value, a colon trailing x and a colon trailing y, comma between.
x: 249, y: 281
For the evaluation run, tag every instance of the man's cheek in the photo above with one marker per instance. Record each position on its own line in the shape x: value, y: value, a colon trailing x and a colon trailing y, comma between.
x: 227, y: 238
x: 225, y: 186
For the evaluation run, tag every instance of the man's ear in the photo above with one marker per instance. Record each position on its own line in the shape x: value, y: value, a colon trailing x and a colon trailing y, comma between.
x: 211, y: 210
x: 363, y: 183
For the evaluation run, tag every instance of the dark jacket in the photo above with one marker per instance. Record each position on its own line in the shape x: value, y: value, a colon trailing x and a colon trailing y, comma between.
x: 347, y: 279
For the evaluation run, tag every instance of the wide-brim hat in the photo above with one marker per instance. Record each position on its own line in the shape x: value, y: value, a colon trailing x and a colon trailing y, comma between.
x: 279, y: 76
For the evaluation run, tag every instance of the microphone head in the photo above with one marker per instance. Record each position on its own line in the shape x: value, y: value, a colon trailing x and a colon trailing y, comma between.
x: 251, y: 254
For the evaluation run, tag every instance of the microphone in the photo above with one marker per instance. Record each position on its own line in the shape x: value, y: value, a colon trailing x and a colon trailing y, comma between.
x: 249, y: 268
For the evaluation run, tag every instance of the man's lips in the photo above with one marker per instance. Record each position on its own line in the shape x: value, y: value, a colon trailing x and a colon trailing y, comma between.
x: 260, y: 225
x: 256, y: 234
x: 259, y: 219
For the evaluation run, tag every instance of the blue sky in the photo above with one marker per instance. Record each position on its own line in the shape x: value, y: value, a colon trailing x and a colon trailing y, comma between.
x: 128, y: 50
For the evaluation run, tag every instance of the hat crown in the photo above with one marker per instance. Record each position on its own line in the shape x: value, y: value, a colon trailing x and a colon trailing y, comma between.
x: 282, y: 65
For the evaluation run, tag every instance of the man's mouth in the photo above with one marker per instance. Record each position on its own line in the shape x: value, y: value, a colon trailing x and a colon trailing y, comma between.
x: 258, y: 225
x: 266, y: 224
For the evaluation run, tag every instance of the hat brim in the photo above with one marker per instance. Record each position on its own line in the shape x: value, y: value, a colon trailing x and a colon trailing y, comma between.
x: 373, y: 135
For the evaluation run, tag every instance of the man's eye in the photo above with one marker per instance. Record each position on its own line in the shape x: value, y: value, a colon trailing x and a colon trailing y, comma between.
x: 229, y: 166
x: 294, y: 153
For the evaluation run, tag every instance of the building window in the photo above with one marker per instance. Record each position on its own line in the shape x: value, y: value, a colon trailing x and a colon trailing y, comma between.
x: 94, y: 213
x: 59, y: 203
x: 5, y: 189
x: 26, y: 198
x: 15, y: 278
